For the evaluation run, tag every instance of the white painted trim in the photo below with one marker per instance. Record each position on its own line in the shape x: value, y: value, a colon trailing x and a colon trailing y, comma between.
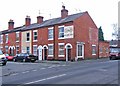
x: 50, y: 39
x: 35, y: 30
x: 50, y: 28
x: 50, y: 55
x: 61, y: 43
x: 50, y: 44
x: 17, y: 32
x: 82, y: 51
x: 61, y: 55
x: 45, y: 46
x: 68, y: 44
x: 61, y: 26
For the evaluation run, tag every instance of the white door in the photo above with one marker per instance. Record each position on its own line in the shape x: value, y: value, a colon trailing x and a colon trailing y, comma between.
x: 40, y: 53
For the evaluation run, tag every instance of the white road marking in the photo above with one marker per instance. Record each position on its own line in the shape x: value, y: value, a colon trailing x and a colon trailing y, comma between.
x: 14, y: 74
x: 26, y: 72
x: 57, y: 76
x: 102, y: 70
x: 43, y: 68
x: 34, y: 70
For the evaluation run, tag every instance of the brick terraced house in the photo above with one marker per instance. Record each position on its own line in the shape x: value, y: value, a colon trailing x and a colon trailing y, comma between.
x: 68, y: 37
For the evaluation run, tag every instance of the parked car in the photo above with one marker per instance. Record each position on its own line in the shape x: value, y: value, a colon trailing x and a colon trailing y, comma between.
x: 3, y: 59
x: 25, y: 57
x: 114, y: 53
x: 10, y: 58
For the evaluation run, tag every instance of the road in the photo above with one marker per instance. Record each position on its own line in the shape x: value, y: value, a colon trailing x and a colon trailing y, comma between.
x: 102, y: 71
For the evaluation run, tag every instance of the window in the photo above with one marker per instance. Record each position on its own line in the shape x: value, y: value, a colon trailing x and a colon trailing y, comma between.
x: 50, y: 33
x: 93, y: 49
x: 17, y: 49
x: 6, y: 49
x: 100, y: 49
x: 35, y: 49
x: 6, y: 38
x: 80, y: 50
x: 50, y: 49
x: 1, y: 39
x: 61, y: 49
x: 35, y: 35
x: 28, y: 36
x: 28, y: 49
x: 61, y: 32
x: 17, y: 36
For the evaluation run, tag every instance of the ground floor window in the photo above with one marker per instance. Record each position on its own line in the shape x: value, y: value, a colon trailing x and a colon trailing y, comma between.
x: 93, y: 49
x: 61, y: 49
x: 6, y: 49
x: 79, y: 50
x: 28, y: 49
x: 35, y: 49
x: 17, y: 49
x: 50, y: 50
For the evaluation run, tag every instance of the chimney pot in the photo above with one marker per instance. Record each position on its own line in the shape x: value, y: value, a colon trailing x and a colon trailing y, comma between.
x: 64, y: 12
x: 39, y: 19
x: 27, y: 20
x: 10, y: 24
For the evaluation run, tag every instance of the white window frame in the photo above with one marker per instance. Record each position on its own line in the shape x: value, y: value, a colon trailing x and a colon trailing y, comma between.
x: 35, y: 35
x: 101, y: 49
x: 51, y: 49
x: 61, y: 32
x: 35, y: 50
x: 82, y: 50
x: 6, y: 39
x: 95, y: 50
x: 1, y: 39
x: 51, y: 28
x: 61, y: 49
x: 6, y: 50
x: 17, y: 33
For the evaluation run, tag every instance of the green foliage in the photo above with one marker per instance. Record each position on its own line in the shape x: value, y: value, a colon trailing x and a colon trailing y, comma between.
x: 101, y: 34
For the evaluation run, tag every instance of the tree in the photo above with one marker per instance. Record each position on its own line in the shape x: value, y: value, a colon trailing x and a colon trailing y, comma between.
x: 115, y: 33
x: 101, y: 34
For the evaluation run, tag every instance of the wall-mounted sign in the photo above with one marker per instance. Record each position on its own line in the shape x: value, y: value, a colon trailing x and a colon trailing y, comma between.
x: 68, y: 32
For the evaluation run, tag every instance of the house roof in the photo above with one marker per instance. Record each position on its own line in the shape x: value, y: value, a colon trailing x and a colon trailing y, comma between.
x: 46, y: 23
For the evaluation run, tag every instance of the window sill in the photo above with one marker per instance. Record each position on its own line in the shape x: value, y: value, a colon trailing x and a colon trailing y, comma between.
x: 50, y: 55
x: 50, y: 39
x: 61, y: 55
x: 61, y: 38
x: 35, y: 40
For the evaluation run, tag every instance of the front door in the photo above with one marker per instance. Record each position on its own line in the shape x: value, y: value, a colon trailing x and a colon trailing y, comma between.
x: 40, y: 53
x: 45, y: 53
x: 68, y: 53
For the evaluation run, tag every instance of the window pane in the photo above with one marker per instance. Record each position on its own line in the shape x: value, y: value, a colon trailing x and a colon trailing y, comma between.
x: 93, y: 49
x: 61, y: 49
x: 79, y: 50
x: 50, y: 34
x: 50, y: 50
x: 61, y: 32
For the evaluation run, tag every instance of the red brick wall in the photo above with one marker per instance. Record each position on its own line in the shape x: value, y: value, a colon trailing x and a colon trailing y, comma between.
x: 82, y: 34
x: 104, y: 47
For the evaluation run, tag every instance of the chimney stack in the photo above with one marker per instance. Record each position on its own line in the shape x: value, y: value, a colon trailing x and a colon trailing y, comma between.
x: 10, y: 24
x: 39, y: 19
x: 64, y: 12
x: 27, y: 20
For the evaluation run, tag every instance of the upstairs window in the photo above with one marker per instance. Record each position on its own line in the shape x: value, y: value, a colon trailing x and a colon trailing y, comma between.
x: 17, y: 36
x: 50, y: 33
x: 35, y: 35
x: 61, y: 32
x: 6, y: 38
x: 1, y: 39
x: 27, y: 36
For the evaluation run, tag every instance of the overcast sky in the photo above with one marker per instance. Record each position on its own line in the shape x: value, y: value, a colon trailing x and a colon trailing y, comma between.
x: 103, y: 12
